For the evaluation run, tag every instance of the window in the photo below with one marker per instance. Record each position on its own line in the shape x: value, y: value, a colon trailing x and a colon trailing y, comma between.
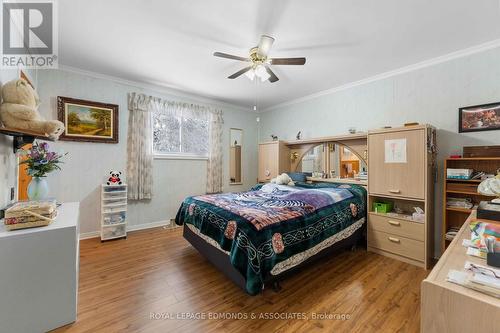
x: 180, y: 130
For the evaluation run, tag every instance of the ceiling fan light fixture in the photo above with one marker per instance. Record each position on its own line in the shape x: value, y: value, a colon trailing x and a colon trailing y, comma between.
x: 260, y: 71
x: 250, y: 74
x: 264, y: 77
x: 258, y: 62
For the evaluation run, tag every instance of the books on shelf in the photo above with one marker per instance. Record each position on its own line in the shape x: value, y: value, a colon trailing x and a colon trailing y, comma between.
x: 451, y: 233
x: 459, y: 173
x: 465, y: 203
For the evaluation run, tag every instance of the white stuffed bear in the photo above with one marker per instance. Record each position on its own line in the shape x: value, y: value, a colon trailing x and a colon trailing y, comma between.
x: 19, y: 110
x: 283, y: 179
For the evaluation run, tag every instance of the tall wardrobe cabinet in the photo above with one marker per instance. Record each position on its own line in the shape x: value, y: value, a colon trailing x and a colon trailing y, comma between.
x: 401, y: 169
x: 274, y: 159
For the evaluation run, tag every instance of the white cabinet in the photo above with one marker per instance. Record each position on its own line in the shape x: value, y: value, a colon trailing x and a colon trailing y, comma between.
x: 39, y: 274
x: 113, y: 212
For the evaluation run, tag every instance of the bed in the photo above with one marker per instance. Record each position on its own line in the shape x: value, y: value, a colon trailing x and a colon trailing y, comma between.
x: 259, y: 236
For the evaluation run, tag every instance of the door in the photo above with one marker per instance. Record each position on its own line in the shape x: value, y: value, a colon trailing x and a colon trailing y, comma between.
x: 23, y: 179
x: 397, y: 163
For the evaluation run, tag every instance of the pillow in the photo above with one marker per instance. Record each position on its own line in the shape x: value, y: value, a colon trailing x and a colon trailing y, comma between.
x: 297, y: 176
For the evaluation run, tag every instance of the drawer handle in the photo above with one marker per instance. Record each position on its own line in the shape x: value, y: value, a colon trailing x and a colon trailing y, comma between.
x: 394, y: 223
x: 395, y: 191
x: 394, y: 240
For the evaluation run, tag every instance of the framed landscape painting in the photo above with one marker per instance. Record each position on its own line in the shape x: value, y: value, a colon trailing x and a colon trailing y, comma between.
x: 484, y: 117
x: 88, y: 121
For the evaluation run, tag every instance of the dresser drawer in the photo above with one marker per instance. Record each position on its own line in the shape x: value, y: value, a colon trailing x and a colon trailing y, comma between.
x: 399, y: 227
x: 396, y: 244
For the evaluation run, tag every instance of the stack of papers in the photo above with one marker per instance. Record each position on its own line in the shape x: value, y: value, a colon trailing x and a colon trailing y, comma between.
x: 485, y: 279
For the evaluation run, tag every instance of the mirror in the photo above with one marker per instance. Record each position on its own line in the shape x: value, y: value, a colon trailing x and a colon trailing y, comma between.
x: 344, y: 163
x: 313, y: 160
x: 235, y: 145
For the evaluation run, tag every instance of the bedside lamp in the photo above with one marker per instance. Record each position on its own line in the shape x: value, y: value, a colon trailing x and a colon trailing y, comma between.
x: 491, y: 187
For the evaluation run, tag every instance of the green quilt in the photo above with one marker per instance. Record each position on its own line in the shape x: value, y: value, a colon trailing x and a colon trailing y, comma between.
x: 263, y: 228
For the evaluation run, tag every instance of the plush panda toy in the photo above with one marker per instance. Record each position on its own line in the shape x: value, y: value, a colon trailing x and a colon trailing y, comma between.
x: 114, y: 178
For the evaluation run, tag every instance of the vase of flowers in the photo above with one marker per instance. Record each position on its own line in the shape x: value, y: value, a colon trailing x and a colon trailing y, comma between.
x: 40, y: 161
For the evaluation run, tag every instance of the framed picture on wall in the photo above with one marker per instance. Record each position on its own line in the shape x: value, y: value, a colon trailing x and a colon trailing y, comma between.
x: 484, y: 117
x: 88, y: 121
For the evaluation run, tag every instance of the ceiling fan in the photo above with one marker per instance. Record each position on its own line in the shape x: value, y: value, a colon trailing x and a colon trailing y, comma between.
x: 259, y: 62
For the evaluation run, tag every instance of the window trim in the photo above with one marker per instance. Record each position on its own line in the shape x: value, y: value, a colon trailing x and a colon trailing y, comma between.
x: 179, y: 156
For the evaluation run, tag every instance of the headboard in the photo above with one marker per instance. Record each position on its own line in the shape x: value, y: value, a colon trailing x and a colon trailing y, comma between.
x: 356, y: 143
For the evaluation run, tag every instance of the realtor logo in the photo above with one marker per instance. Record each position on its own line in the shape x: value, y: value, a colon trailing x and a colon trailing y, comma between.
x: 29, y: 34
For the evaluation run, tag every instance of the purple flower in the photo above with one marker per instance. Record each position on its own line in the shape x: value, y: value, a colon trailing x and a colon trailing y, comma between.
x: 44, y: 146
x: 51, y: 156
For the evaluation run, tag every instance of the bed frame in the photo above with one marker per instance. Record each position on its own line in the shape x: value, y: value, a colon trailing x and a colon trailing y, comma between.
x: 222, y: 261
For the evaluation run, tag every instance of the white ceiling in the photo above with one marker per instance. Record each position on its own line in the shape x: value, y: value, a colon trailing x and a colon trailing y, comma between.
x: 170, y: 43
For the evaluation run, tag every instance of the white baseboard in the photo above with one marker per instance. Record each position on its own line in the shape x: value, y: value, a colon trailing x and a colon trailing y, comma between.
x: 148, y: 225
x: 87, y: 235
x: 94, y: 234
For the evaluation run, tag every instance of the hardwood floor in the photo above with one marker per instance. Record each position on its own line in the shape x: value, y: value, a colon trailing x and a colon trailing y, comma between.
x: 123, y: 283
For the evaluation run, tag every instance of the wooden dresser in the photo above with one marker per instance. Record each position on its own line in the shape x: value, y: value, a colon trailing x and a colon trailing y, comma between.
x: 448, y: 307
x: 274, y: 159
x: 400, y: 171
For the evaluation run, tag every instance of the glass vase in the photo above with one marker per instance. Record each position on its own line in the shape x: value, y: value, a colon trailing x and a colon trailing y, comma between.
x: 38, y: 188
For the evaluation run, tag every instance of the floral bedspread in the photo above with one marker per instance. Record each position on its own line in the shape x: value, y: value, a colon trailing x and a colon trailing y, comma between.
x: 267, y: 225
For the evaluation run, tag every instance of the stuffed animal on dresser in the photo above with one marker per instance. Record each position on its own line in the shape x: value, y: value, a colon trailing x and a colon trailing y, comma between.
x: 114, y: 178
x: 19, y: 110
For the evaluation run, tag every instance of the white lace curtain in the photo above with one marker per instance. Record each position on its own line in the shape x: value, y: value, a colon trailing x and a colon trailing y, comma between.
x: 214, y: 165
x: 187, y: 110
x: 140, y: 147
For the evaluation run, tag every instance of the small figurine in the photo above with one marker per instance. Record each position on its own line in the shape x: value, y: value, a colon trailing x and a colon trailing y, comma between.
x: 298, y: 135
x: 114, y: 179
x: 274, y: 137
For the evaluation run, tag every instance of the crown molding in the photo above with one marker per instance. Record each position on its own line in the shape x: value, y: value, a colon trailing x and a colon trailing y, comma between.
x: 426, y: 63
x: 157, y: 88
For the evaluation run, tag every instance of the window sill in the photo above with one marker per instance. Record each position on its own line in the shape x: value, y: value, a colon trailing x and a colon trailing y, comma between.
x: 179, y: 157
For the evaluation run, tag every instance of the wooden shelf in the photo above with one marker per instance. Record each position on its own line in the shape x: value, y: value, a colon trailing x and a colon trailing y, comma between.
x: 339, y: 180
x: 461, y: 210
x: 474, y: 159
x: 463, y: 188
x: 23, y: 137
x: 355, y: 136
x: 394, y: 197
x: 404, y: 217
x: 465, y: 192
x: 464, y: 180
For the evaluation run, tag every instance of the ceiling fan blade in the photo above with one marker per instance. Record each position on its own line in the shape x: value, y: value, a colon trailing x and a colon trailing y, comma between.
x: 288, y: 61
x: 230, y: 56
x: 273, y: 77
x: 240, y: 72
x: 265, y: 45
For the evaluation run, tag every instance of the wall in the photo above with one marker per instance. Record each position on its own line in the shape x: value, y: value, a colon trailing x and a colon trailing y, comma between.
x: 428, y: 95
x: 7, y: 158
x: 87, y: 164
